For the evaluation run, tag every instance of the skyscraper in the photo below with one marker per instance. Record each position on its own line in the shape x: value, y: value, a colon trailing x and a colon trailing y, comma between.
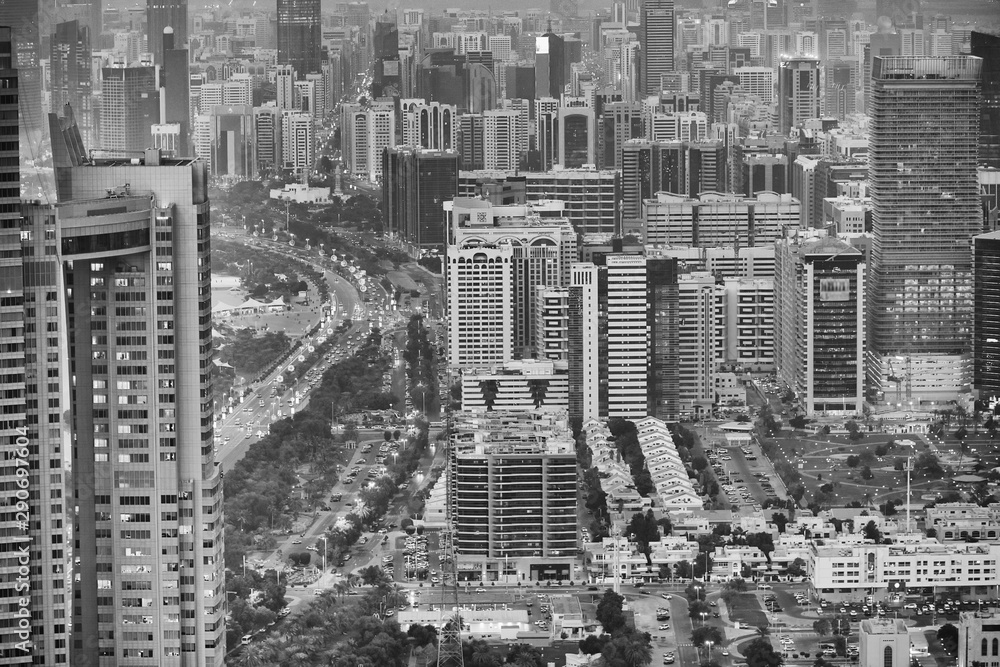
x: 129, y: 107
x: 986, y: 348
x: 798, y: 92
x: 143, y: 504
x: 417, y: 182
x: 576, y: 137
x: 176, y: 81
x: 162, y: 14
x: 623, y: 337
x: 925, y: 211
x: 70, y: 73
x: 987, y: 47
x: 819, y: 332
x: 657, y: 26
x: 550, y: 65
x: 13, y: 428
x: 385, y: 52
x: 299, y: 36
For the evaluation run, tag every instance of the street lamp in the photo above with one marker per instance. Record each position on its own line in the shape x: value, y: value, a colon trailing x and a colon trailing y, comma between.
x: 324, y: 538
x: 703, y: 615
x: 708, y: 647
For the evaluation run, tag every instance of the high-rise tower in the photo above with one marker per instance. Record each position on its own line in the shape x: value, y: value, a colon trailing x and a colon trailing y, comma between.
x: 657, y: 26
x: 129, y: 107
x: 132, y: 237
x: 70, y: 72
x: 162, y: 14
x: 925, y: 211
x: 798, y: 92
x: 299, y: 38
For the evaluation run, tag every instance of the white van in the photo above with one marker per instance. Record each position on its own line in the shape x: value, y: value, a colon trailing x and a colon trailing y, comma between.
x: 246, y: 639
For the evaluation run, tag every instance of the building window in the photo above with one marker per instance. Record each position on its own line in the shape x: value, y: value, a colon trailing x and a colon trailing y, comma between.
x: 985, y: 647
x: 996, y: 647
x: 887, y: 657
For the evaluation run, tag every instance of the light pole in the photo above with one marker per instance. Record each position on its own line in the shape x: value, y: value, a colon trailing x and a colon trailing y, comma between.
x: 708, y: 651
x: 703, y: 615
x: 324, y: 538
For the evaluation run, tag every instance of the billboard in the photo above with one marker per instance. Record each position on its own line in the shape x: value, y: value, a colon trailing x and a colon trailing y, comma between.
x: 834, y: 289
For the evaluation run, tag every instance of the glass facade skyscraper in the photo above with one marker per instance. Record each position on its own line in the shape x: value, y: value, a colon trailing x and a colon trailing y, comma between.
x: 925, y: 211
x: 299, y: 36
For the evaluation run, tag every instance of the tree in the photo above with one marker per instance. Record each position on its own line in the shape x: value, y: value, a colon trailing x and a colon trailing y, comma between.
x: 760, y: 653
x: 609, y: 611
x: 628, y: 649
x: 371, y: 575
x: 853, y: 430
x: 840, y: 644
x: 947, y: 635
x: 797, y: 568
x: 798, y: 422
x: 779, y: 520
x: 736, y: 584
x: 683, y: 570
x: 866, y: 473
x: 525, y: 655
x: 707, y: 633
x: 764, y: 542
x: 697, y: 607
x: 422, y: 635
x: 853, y: 460
x: 592, y: 644
x: 822, y: 627
x: 644, y: 530
x: 927, y: 464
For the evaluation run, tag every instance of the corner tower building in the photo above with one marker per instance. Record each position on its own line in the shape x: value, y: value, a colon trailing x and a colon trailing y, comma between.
x: 925, y: 211
x: 132, y: 240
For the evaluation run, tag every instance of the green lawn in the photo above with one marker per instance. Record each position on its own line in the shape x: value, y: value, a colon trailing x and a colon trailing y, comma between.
x: 747, y: 610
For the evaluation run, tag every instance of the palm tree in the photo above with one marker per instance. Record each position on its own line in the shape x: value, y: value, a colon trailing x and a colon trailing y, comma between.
x: 254, y: 655
x: 637, y: 654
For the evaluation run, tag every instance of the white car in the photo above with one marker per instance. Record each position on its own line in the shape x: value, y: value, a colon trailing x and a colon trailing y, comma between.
x: 911, y: 605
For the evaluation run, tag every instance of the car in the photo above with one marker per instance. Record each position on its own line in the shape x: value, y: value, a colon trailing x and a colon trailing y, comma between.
x: 297, y: 542
x: 482, y: 590
x: 668, y: 660
x: 665, y: 626
x: 246, y: 639
x: 910, y: 605
x: 317, y: 591
x: 725, y: 652
x: 665, y: 596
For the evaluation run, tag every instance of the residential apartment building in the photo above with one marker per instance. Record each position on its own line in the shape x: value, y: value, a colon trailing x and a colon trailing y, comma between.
x: 512, y: 493
x: 147, y: 536
x: 714, y: 219
x: 543, y: 245
x: 629, y: 369
x: 674, y: 489
x: 852, y: 571
x: 962, y: 521
x: 819, y: 297
x: 590, y: 195
x: 517, y: 385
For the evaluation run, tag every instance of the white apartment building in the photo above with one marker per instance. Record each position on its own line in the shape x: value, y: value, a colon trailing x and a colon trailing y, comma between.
x: 433, y: 126
x: 552, y: 323
x: 697, y: 336
x: 298, y: 141
x: 959, y: 521
x: 480, y: 310
x: 516, y: 385
x: 757, y: 81
x: 500, y: 135
x: 677, y: 126
x: 749, y: 323
x: 714, y: 219
x: 543, y: 246
x: 852, y: 571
